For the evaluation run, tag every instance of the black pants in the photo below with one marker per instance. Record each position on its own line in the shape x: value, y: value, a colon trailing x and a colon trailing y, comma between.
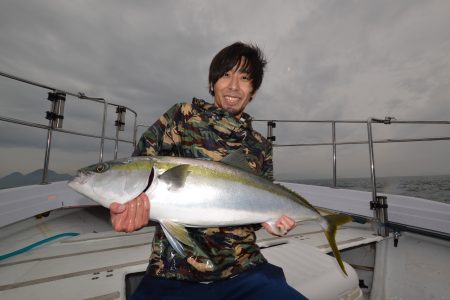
x: 263, y: 282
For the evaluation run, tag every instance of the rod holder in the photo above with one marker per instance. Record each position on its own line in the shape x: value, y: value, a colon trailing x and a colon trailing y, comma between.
x: 270, y: 126
x: 56, y: 115
x: 120, y: 121
x: 380, y: 206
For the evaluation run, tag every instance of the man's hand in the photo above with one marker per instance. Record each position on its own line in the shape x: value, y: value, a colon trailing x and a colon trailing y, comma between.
x: 281, y: 226
x: 130, y: 216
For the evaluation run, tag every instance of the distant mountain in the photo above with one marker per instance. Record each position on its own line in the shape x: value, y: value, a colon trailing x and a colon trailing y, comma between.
x: 18, y: 179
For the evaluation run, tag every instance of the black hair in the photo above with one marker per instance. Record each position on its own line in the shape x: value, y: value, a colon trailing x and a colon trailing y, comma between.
x: 230, y: 56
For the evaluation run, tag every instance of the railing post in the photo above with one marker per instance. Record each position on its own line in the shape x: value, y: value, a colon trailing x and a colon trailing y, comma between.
x: 120, y: 126
x: 55, y: 119
x: 378, y: 203
x: 134, y: 132
x: 47, y: 155
x: 333, y: 137
x: 102, y: 139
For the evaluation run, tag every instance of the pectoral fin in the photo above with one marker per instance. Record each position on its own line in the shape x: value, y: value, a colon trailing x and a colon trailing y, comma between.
x: 177, y: 235
x: 175, y: 177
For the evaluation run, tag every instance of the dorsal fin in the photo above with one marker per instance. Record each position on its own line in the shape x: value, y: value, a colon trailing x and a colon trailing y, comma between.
x: 237, y: 159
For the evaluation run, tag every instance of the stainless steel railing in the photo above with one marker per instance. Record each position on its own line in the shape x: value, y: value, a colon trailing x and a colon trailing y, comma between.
x: 56, y: 115
x: 378, y: 203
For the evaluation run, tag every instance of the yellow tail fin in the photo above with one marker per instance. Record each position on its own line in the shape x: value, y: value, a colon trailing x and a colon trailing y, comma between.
x: 332, y: 223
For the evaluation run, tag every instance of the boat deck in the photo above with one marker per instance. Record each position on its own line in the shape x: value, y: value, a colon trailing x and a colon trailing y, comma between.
x: 94, y: 264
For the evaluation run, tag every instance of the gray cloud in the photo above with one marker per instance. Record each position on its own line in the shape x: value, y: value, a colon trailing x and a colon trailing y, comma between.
x: 327, y: 60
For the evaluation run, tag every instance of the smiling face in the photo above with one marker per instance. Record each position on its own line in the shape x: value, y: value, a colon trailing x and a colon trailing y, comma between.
x: 234, y: 90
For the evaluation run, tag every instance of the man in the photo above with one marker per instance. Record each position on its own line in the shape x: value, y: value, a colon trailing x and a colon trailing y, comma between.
x: 225, y: 262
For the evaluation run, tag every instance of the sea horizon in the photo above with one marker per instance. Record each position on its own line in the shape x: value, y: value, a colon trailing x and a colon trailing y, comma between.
x: 430, y: 187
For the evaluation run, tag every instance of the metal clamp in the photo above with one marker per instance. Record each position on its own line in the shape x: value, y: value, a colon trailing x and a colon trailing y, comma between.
x: 120, y: 121
x: 387, y: 120
x: 380, y: 203
x: 56, y: 115
x: 396, y: 236
x: 270, y: 126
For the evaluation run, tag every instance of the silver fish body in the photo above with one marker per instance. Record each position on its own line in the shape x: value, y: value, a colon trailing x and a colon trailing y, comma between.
x: 197, y: 193
x: 215, y: 194
x: 212, y: 194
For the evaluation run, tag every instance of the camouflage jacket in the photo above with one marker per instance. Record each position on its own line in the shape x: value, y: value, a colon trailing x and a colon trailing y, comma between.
x: 201, y: 130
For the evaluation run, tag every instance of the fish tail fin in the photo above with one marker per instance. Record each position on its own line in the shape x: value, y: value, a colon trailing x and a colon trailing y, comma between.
x: 330, y: 227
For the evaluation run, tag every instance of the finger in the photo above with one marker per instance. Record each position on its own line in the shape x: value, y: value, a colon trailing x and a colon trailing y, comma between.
x: 270, y: 229
x: 117, y: 208
x: 118, y: 220
x: 131, y: 218
x: 284, y: 223
x: 287, y: 222
x: 145, y: 209
x: 140, y: 220
x: 113, y: 208
x: 281, y: 223
x: 147, y: 206
x: 292, y: 222
x: 267, y: 227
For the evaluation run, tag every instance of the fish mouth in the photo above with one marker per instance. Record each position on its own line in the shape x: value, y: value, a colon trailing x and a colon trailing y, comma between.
x: 78, y: 179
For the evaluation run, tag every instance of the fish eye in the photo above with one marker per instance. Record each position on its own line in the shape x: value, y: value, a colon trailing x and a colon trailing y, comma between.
x: 100, y: 168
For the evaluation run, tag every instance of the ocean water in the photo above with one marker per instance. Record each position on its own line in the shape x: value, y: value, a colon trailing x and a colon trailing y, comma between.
x: 435, y: 188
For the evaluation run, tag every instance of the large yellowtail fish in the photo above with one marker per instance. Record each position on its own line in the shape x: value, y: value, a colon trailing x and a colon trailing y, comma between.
x: 186, y: 192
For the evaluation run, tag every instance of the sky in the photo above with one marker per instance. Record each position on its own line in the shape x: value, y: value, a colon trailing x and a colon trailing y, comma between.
x: 341, y: 59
